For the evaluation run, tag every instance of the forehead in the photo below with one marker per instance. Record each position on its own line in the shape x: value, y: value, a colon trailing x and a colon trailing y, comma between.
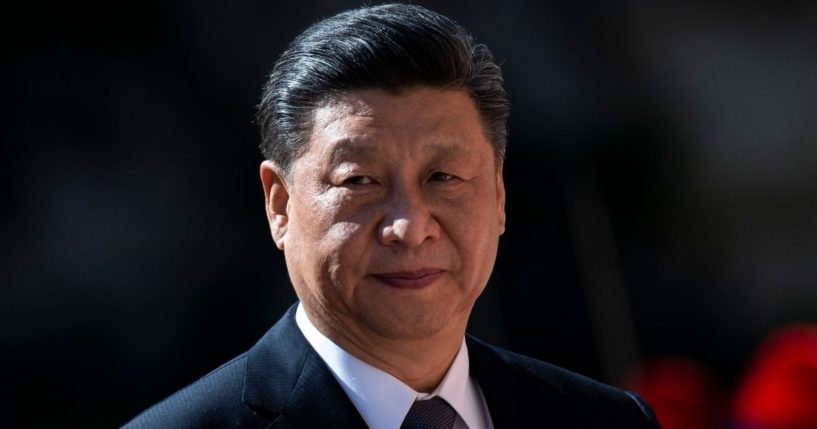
x: 418, y: 118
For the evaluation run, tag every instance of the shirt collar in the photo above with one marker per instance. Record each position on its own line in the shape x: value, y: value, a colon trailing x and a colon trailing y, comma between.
x: 381, y: 399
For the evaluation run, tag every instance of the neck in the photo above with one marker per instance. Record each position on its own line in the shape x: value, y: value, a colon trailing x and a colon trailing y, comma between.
x: 420, y: 363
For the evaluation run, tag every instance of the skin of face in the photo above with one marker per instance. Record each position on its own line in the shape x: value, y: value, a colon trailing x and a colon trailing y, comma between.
x: 390, y: 220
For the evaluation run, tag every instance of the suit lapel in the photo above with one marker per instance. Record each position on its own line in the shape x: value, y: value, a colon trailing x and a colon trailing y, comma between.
x: 288, y: 382
x: 513, y: 401
x: 318, y: 401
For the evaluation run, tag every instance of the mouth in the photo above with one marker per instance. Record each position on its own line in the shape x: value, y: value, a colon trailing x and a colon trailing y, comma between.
x: 410, y: 279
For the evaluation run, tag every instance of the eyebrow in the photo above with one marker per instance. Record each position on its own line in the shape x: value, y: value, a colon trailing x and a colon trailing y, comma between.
x: 444, y: 150
x: 346, y: 147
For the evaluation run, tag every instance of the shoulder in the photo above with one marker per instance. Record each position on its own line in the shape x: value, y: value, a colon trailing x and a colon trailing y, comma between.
x: 213, y: 401
x: 248, y: 391
x: 577, y: 399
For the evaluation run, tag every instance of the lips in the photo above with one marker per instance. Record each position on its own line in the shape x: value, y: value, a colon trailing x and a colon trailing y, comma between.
x: 416, y: 279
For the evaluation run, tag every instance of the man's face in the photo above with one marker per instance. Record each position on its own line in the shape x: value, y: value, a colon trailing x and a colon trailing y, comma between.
x: 391, y: 219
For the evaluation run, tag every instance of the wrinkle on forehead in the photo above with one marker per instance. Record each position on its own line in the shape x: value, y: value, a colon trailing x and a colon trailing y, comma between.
x: 360, y: 103
x: 346, y: 148
x: 338, y: 106
x: 348, y: 124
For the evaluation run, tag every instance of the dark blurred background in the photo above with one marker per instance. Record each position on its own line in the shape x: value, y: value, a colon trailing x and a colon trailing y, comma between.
x: 661, y: 177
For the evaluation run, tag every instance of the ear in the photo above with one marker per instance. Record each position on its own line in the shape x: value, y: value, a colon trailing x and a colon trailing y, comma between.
x: 500, y: 199
x: 276, y: 197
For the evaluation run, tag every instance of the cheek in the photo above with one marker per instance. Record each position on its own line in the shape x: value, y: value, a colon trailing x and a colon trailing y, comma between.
x: 332, y: 219
x: 475, y: 232
x: 481, y: 261
x: 479, y: 249
x: 340, y: 236
x: 338, y: 245
x: 311, y: 215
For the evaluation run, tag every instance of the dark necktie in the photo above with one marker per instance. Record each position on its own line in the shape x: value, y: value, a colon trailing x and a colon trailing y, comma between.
x: 432, y: 413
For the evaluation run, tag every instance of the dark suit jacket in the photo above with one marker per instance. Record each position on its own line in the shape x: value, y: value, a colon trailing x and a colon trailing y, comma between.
x: 281, y: 382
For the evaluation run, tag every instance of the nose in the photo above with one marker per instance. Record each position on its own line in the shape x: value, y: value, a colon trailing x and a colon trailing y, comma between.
x: 408, y: 220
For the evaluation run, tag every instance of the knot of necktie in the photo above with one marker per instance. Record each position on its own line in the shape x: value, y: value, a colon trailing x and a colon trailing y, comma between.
x: 432, y: 413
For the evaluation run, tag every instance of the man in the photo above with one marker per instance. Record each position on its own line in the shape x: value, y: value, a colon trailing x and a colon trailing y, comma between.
x: 384, y: 133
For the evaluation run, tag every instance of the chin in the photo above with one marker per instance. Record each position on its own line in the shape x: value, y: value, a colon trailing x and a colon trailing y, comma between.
x: 410, y: 323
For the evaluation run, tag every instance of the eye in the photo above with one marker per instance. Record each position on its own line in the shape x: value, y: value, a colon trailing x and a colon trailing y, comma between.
x: 358, y: 180
x: 440, y: 177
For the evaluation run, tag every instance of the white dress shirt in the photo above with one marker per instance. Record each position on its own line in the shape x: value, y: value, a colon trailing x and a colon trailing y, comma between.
x: 382, y: 400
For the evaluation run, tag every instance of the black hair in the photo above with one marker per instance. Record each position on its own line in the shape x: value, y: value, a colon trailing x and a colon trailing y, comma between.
x: 391, y: 47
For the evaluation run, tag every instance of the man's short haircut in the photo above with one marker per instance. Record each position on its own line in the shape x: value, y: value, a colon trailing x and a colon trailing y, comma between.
x: 392, y: 47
